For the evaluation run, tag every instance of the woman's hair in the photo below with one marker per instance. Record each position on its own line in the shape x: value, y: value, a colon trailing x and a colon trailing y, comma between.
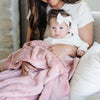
x: 53, y: 14
x: 70, y: 1
x: 38, y: 17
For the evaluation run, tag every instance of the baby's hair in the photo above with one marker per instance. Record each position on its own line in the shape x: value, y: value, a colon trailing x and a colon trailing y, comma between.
x: 53, y: 14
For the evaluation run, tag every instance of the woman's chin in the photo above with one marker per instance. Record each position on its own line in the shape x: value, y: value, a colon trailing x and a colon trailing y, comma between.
x: 44, y: 1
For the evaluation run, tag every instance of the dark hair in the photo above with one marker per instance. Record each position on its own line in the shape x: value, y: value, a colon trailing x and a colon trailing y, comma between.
x: 70, y: 1
x: 38, y: 17
x: 53, y: 14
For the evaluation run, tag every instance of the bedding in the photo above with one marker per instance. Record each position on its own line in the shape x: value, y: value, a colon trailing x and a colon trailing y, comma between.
x: 49, y: 80
x: 86, y: 80
x: 94, y: 97
x: 92, y: 94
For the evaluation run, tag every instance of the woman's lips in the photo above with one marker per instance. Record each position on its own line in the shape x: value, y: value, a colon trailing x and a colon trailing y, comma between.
x: 48, y: 0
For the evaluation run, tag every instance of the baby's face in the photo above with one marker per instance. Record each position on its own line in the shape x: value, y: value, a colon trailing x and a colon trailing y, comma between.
x: 58, y: 30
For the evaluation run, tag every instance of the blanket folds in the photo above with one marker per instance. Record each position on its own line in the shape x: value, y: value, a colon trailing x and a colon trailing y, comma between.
x: 48, y: 81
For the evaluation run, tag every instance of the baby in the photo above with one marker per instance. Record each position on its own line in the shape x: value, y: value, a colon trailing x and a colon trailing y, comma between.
x: 61, y: 32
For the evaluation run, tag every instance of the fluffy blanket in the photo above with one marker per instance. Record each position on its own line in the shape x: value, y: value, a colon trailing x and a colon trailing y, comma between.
x: 47, y: 81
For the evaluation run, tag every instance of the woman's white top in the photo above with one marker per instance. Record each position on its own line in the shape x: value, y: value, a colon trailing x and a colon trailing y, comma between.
x: 71, y: 39
x: 79, y: 12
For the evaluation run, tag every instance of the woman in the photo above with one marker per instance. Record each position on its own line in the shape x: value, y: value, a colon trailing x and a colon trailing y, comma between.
x: 76, y: 8
x: 44, y: 72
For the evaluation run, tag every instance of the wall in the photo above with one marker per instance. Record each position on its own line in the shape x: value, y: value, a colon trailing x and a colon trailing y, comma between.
x: 9, y: 27
x: 94, y: 4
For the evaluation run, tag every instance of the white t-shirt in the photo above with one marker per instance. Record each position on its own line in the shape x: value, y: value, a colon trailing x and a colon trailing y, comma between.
x: 79, y: 11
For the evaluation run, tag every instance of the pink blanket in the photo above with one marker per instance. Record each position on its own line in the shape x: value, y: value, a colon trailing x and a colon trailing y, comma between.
x: 48, y: 82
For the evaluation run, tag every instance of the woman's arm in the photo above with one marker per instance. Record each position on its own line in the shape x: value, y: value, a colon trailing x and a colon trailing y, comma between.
x: 86, y: 33
x: 28, y: 33
x: 62, y: 50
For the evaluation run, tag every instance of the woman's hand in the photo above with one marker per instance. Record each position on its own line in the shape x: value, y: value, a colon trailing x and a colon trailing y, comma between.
x: 62, y: 50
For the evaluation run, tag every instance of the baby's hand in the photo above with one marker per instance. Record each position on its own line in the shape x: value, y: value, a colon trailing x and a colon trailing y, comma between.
x: 80, y: 53
x: 26, y: 67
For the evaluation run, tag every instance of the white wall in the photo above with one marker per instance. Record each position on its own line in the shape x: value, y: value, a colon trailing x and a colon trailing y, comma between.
x: 15, y: 23
x: 94, y: 4
x: 9, y: 27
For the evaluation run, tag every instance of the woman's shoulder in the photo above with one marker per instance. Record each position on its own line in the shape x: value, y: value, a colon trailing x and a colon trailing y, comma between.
x: 80, y: 5
x: 76, y: 6
x: 80, y: 12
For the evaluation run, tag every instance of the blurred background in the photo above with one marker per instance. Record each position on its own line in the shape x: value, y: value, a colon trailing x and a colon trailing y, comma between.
x: 94, y: 4
x: 13, y: 24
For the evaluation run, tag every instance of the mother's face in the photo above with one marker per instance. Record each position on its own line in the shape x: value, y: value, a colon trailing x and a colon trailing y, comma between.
x: 52, y: 2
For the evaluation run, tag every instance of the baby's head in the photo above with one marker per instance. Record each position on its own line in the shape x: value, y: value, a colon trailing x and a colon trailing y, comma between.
x: 59, y: 23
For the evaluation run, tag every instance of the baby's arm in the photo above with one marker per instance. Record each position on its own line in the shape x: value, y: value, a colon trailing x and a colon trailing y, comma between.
x: 82, y: 46
x: 82, y: 49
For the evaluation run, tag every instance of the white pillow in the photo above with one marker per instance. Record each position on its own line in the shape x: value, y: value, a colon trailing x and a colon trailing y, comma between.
x: 86, y: 80
x: 94, y: 97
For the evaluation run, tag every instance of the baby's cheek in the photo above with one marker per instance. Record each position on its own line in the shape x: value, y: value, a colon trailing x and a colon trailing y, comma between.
x: 52, y: 33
